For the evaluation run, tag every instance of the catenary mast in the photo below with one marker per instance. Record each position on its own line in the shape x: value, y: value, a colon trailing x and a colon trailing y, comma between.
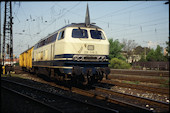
x: 7, y: 49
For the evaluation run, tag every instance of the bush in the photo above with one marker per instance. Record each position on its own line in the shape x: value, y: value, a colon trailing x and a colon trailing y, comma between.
x: 118, y: 64
x: 17, y: 64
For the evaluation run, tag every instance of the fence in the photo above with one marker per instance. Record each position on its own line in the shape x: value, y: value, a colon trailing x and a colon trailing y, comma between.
x: 151, y: 65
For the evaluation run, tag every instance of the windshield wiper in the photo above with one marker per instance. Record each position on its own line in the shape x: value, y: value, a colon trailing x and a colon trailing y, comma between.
x: 82, y: 31
x: 98, y: 33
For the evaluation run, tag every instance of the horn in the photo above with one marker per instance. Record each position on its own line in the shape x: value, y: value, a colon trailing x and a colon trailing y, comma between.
x: 87, y: 18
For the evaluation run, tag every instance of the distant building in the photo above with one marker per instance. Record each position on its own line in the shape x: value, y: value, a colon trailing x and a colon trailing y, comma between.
x: 165, y: 52
x: 7, y: 61
x: 132, y: 58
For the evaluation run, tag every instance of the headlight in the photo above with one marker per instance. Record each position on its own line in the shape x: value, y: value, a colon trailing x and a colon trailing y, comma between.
x: 78, y: 58
x: 75, y: 58
x: 101, y: 58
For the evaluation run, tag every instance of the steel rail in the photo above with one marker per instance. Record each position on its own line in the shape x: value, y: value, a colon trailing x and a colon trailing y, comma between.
x: 112, y: 100
x: 141, y: 99
x: 32, y: 99
x: 72, y: 99
x: 139, y: 87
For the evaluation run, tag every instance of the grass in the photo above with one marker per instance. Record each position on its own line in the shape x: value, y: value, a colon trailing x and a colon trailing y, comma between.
x: 12, y: 75
x: 3, y: 75
x: 132, y: 82
x: 165, y: 84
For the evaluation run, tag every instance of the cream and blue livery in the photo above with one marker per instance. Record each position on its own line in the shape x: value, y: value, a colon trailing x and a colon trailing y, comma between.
x: 77, y: 52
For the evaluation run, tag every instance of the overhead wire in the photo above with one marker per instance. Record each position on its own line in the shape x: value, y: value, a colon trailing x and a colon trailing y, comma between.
x: 143, y: 24
x: 129, y: 25
x: 128, y: 11
x: 140, y: 24
x: 118, y: 11
x: 59, y: 17
x: 69, y: 10
x: 163, y: 29
x: 136, y: 10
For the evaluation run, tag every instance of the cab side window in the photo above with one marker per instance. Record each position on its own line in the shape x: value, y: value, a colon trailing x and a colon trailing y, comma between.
x: 61, y: 35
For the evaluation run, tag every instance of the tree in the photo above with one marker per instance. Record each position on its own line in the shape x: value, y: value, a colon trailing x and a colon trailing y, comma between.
x: 139, y: 50
x: 115, y: 49
x: 168, y: 47
x: 143, y: 59
x: 151, y: 55
x: 129, y: 45
x: 156, y: 55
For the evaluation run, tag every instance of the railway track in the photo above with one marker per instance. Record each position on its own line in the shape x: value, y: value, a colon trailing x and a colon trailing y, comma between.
x: 53, y: 101
x: 155, y: 106
x: 139, y: 87
x: 151, y: 79
x: 110, y: 103
x: 106, y: 96
x: 98, y: 95
x: 21, y: 102
x: 140, y: 72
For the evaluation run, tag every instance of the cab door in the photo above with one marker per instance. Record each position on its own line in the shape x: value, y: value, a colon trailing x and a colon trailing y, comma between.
x: 60, y: 43
x: 52, y: 51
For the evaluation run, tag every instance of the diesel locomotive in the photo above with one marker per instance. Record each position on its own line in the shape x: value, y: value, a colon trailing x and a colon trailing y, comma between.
x: 77, y: 52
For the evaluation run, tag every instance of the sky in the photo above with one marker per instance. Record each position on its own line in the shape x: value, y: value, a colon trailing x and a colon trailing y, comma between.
x: 145, y: 22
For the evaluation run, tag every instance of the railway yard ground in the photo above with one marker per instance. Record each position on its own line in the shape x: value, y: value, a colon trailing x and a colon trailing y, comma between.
x: 126, y: 91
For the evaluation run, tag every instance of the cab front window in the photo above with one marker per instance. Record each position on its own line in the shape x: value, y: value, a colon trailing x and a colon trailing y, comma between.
x: 95, y: 34
x: 79, y: 33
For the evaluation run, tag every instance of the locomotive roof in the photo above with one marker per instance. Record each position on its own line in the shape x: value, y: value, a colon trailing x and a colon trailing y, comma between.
x: 81, y: 25
x: 71, y: 25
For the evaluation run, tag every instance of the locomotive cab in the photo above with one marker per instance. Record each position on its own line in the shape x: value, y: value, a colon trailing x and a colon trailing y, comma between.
x: 84, y: 49
x: 83, y: 40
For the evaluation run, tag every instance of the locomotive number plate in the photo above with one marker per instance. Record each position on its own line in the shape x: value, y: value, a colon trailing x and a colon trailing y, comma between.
x: 90, y: 47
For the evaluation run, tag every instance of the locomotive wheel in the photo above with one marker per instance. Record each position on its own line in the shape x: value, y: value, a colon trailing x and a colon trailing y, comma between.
x: 88, y: 77
x: 86, y: 81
